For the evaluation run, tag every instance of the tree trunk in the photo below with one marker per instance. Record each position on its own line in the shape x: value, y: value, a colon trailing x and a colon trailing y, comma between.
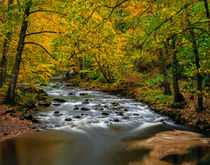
x: 178, y: 97
x: 207, y: 8
x: 10, y: 99
x: 199, y: 77
x: 163, y: 71
x: 3, y: 67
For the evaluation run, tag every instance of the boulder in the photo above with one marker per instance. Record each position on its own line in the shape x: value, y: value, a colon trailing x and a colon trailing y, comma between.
x: 76, y: 107
x: 60, y: 100
x: 85, y: 101
x: 116, y: 120
x: 85, y: 109
x: 115, y: 104
x: 105, y: 113
x: 68, y: 119
x: 83, y: 94
x: 77, y: 116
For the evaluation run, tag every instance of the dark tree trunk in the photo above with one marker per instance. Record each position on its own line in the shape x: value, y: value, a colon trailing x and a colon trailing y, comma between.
x: 199, y: 77
x: 178, y: 97
x: 10, y: 99
x: 163, y: 70
x: 207, y: 8
x: 3, y: 67
x: 102, y: 71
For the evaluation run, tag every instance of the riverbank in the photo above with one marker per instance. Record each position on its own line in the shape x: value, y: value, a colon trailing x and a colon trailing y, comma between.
x: 17, y: 120
x: 162, y: 104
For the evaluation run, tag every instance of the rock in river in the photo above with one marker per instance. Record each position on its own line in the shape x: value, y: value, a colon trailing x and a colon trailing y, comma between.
x: 68, y: 119
x: 85, y: 101
x: 105, y: 113
x: 85, y: 109
x: 83, y: 94
x: 60, y: 100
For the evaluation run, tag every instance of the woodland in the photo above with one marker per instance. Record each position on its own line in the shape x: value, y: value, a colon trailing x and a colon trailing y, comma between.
x: 154, y: 51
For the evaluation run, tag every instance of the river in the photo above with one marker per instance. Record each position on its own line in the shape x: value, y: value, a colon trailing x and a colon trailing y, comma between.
x: 84, y: 127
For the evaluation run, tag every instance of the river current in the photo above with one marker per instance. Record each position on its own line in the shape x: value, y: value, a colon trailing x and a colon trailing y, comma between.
x: 84, y: 127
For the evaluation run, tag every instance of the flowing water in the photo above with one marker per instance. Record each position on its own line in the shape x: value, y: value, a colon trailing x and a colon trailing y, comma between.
x: 88, y: 128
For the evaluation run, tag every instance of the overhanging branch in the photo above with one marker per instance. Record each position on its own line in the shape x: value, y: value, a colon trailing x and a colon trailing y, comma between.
x: 34, y: 43
x: 40, y: 32
x: 49, y: 11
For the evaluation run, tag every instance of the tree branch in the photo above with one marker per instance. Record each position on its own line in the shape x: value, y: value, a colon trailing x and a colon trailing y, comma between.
x: 50, y: 11
x: 117, y: 5
x: 40, y: 32
x: 40, y: 47
x: 166, y: 20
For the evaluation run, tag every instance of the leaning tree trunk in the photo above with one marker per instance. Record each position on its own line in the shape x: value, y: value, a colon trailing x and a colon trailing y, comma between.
x: 164, y: 72
x: 3, y: 66
x: 178, y: 97
x: 199, y: 77
x: 10, y: 99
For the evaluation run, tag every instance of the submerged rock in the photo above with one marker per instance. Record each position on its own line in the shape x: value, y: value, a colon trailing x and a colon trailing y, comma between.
x: 119, y: 113
x: 60, y: 100
x: 83, y: 94
x: 85, y: 109
x: 76, y: 107
x: 116, y: 120
x: 57, y: 113
x: 68, y: 119
x: 77, y: 116
x: 56, y: 105
x: 85, y: 102
x: 125, y: 117
x: 105, y: 113
x: 115, y: 104
x: 71, y: 93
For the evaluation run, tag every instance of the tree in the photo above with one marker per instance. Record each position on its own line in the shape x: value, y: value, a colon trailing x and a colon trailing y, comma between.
x: 3, y: 67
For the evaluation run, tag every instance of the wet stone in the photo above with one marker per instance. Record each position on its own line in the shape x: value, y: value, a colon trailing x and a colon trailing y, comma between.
x: 126, y: 110
x: 56, y: 105
x: 136, y: 114
x: 60, y: 100
x: 85, y: 109
x: 115, y: 104
x: 71, y: 93
x: 105, y: 113
x: 106, y: 106
x: 85, y: 102
x: 116, y: 120
x: 83, y: 94
x: 125, y: 117
x: 56, y: 112
x: 76, y: 107
x: 57, y: 125
x: 119, y: 113
x: 68, y: 119
x: 77, y: 116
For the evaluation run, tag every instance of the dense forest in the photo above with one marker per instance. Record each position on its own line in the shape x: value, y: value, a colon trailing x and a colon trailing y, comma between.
x: 104, y: 82
x: 162, y: 47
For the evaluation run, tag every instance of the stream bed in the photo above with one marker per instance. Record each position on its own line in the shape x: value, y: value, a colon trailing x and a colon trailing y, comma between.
x: 83, y: 127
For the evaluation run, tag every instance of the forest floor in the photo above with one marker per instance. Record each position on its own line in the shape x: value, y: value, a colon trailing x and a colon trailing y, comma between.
x: 17, y: 120
x: 160, y: 103
x: 12, y: 125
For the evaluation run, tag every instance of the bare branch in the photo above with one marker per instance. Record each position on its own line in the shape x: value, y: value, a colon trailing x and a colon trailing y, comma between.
x: 40, y: 47
x: 40, y: 32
